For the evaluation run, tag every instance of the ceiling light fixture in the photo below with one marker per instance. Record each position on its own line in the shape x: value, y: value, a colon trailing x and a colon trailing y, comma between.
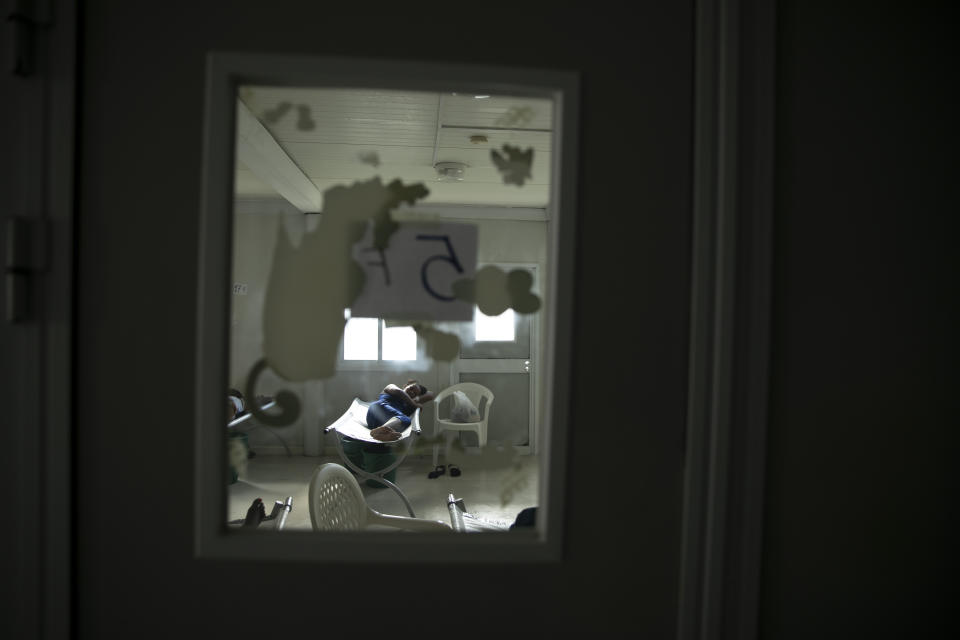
x: 450, y: 171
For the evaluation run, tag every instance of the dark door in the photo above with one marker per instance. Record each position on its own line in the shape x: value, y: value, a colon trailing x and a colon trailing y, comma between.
x: 141, y: 129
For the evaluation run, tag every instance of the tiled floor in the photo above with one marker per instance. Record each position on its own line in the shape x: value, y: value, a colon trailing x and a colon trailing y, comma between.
x: 495, y: 487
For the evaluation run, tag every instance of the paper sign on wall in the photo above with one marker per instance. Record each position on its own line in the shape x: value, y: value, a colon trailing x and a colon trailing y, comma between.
x: 413, y: 277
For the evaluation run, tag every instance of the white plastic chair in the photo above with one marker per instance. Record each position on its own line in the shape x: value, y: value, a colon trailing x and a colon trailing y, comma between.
x: 337, y: 504
x: 476, y: 393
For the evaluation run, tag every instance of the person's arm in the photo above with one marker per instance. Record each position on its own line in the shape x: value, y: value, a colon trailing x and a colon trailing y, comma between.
x: 398, y: 392
x: 421, y: 400
x: 393, y: 390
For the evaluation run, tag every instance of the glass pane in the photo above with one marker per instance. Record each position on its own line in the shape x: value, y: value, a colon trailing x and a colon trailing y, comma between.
x: 360, y: 339
x: 399, y: 343
x: 494, y: 328
x: 370, y: 225
x: 502, y: 337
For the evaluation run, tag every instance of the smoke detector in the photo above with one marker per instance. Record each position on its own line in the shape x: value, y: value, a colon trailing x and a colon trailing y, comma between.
x: 450, y: 171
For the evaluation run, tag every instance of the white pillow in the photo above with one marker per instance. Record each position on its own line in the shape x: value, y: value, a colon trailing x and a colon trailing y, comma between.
x: 463, y: 410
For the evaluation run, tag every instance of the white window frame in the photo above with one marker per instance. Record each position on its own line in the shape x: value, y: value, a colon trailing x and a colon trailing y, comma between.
x: 420, y: 363
x: 227, y: 71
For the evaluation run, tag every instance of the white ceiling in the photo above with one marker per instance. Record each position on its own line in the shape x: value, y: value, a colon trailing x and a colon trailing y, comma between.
x: 335, y: 135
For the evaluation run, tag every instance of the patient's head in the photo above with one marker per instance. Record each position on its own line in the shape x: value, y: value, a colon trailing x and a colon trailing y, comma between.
x: 414, y: 389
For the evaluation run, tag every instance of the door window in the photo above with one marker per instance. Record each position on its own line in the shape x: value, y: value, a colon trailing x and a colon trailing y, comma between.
x: 363, y: 198
x: 494, y: 328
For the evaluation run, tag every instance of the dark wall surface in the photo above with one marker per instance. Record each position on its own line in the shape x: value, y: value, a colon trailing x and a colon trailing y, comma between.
x: 861, y: 508
x: 860, y: 502
x: 140, y: 170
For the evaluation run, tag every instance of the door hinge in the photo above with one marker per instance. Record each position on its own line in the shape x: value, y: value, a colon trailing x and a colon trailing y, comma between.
x: 23, y: 21
x: 26, y: 258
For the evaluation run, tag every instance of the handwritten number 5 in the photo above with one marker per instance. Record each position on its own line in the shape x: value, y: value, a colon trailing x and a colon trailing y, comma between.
x: 451, y: 258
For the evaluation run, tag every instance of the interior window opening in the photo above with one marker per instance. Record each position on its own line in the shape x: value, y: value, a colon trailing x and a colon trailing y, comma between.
x: 414, y: 358
x: 361, y: 369
x: 361, y: 339
x: 370, y: 339
x: 399, y: 343
x: 500, y: 328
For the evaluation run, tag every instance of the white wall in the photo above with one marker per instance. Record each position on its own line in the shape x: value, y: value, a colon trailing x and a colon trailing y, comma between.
x: 256, y: 224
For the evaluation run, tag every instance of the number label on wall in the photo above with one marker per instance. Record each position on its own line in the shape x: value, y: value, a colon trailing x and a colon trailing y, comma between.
x: 413, y: 277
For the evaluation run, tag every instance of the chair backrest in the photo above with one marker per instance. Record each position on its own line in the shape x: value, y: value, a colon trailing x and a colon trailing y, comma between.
x: 358, y: 410
x: 337, y: 504
x: 336, y: 500
x: 473, y: 390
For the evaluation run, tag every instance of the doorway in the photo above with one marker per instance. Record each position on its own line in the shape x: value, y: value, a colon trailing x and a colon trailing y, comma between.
x: 501, y: 353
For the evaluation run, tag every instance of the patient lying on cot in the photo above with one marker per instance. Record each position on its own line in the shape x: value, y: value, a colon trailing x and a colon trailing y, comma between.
x: 390, y: 414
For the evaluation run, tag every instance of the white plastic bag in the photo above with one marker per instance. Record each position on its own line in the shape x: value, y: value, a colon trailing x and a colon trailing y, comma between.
x: 463, y: 410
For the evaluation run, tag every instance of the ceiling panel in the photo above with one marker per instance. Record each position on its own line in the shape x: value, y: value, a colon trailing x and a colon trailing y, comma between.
x: 345, y: 117
x: 497, y: 111
x: 337, y: 136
